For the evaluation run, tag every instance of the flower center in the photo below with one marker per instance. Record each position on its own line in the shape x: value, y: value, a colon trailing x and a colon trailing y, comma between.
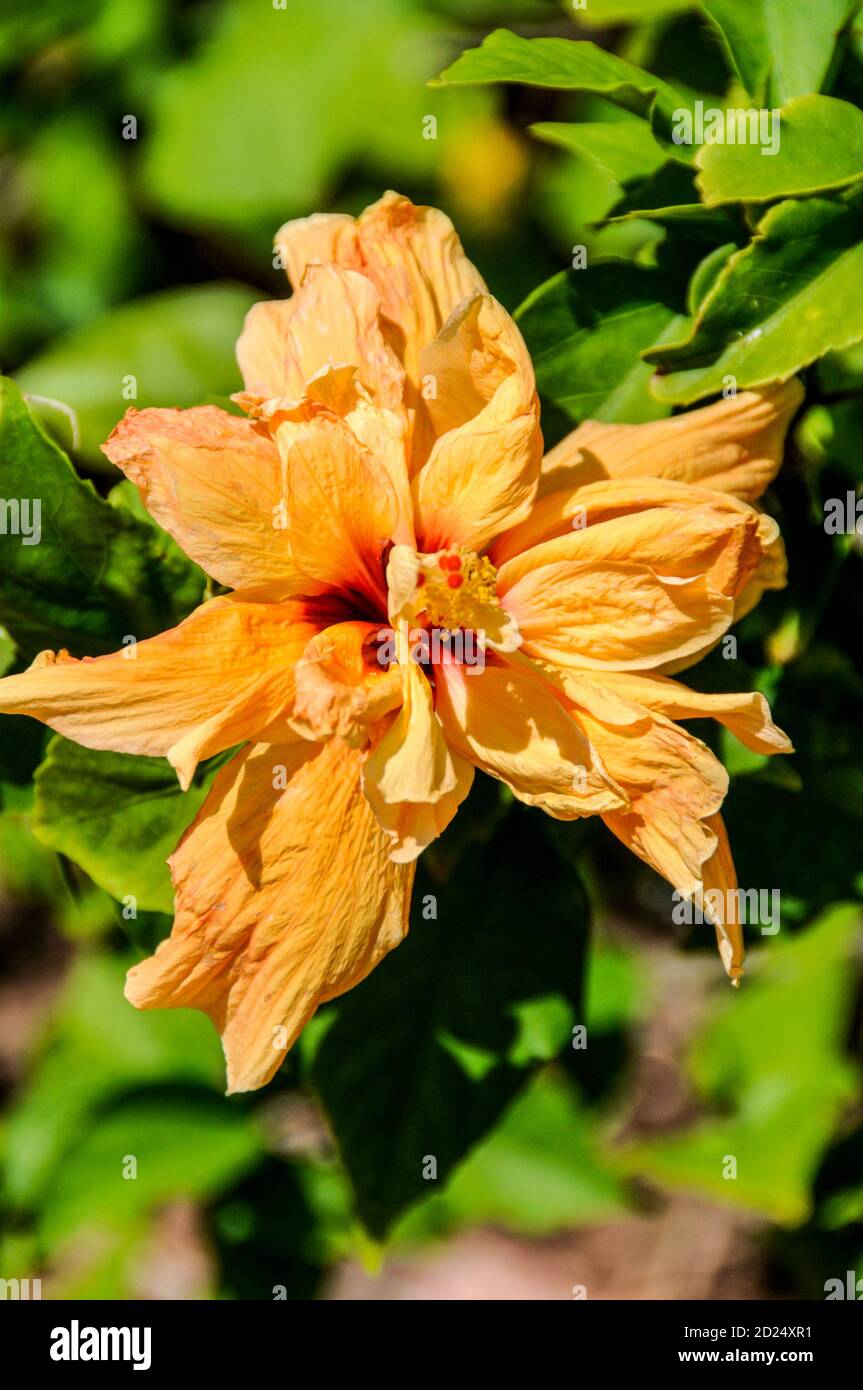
x: 455, y: 590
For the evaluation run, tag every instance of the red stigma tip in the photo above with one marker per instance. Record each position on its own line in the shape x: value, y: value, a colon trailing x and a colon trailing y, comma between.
x: 455, y: 581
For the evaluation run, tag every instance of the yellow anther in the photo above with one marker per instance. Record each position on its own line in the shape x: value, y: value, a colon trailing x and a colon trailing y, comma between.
x: 457, y: 588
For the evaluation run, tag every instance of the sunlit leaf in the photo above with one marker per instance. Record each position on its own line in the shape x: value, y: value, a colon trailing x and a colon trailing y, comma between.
x: 780, y: 303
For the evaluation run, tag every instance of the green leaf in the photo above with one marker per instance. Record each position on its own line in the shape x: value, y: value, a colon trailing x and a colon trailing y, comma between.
x: 175, y: 348
x: 585, y: 330
x: 118, y: 816
x: 91, y: 247
x: 841, y: 371
x: 598, y: 13
x: 290, y: 99
x: 97, y: 1048
x: 669, y: 196
x: 775, y: 1057
x: 570, y: 65
x: 820, y: 147
x: 833, y: 434
x: 184, y: 580
x: 808, y: 843
x: 21, y: 744
x: 785, y: 300
x: 706, y: 274
x: 624, y: 149
x: 541, y: 1171
x: 185, y: 1144
x: 780, y: 50
x: 97, y: 574
x: 424, y: 1056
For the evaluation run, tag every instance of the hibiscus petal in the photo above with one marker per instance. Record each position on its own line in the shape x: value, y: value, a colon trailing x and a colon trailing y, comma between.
x: 675, y: 784
x: 482, y: 472
x: 412, y: 255
x: 621, y: 697
x: 219, y: 678
x: 733, y: 446
x: 325, y: 236
x: 214, y: 483
x: 618, y: 616
x: 411, y: 762
x: 413, y: 825
x: 285, y: 898
x: 333, y: 320
x: 583, y: 508
x: 476, y: 351
x: 340, y: 688
x: 340, y: 507
x: 718, y: 900
x: 679, y: 540
x: 511, y: 722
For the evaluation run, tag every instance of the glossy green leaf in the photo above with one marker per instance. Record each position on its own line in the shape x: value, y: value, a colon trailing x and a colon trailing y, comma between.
x: 96, y: 574
x: 706, y: 274
x: 820, y: 147
x: 779, y: 49
x: 184, y: 579
x: 783, y: 301
x: 423, y: 1056
x: 624, y: 149
x: 585, y: 330
x: 570, y: 65
x: 834, y: 434
x: 176, y: 348
x: 21, y: 744
x: 118, y: 816
x: 669, y: 196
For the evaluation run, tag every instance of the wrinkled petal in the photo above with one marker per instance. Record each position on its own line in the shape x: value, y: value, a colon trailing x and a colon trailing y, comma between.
x: 215, y: 484
x: 412, y: 255
x: 616, y: 616
x: 332, y: 321
x: 340, y: 687
x: 413, y: 825
x: 325, y: 236
x: 622, y: 697
x: 675, y: 784
x: 732, y: 446
x: 511, y: 723
x: 586, y: 507
x: 753, y: 564
x: 720, y: 877
x: 221, y: 677
x: 339, y: 504
x: 482, y: 472
x: 411, y: 762
x: 382, y: 434
x: 681, y: 539
x: 285, y: 898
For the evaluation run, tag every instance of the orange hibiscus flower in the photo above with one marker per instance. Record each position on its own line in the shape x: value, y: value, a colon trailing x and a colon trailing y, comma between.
x: 416, y: 593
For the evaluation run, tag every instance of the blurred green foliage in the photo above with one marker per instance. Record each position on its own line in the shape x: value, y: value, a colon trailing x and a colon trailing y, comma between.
x: 126, y: 267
